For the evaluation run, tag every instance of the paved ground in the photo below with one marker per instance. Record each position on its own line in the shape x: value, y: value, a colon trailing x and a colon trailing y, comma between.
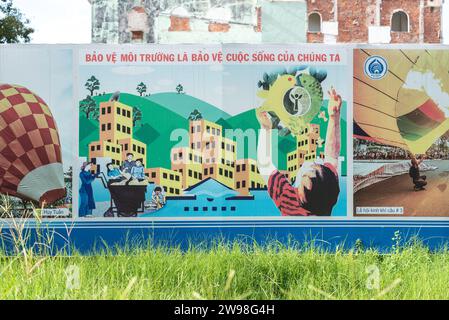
x: 398, y: 192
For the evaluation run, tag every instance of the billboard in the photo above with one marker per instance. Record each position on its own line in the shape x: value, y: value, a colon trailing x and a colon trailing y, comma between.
x: 175, y: 131
x: 223, y: 132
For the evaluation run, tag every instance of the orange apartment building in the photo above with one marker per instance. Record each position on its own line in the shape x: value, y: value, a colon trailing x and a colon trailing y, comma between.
x: 306, y: 149
x: 247, y: 176
x: 116, y: 134
x: 210, y: 155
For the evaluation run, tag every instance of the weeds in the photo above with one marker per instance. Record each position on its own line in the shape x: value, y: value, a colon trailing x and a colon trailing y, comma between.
x: 221, y: 271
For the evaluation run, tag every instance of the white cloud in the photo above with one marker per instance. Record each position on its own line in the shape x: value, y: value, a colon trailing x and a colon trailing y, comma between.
x: 58, y: 21
x: 132, y: 70
x: 165, y: 82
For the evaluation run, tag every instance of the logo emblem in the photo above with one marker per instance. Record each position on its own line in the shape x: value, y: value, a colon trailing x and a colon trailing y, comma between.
x: 376, y: 67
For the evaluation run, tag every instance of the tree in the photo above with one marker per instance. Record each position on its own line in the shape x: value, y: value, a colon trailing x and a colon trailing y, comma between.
x: 141, y: 88
x: 14, y: 27
x: 137, y: 115
x: 179, y: 88
x: 195, y: 115
x: 92, y: 84
x: 88, y: 106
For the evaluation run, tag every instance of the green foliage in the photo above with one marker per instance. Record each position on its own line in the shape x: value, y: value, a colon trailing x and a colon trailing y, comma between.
x: 141, y: 88
x: 92, y: 84
x: 195, y: 115
x: 14, y: 27
x: 89, y: 108
x: 179, y: 89
x: 137, y: 115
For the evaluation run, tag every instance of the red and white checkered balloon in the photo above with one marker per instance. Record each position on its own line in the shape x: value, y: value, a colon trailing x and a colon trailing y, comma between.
x: 30, y: 150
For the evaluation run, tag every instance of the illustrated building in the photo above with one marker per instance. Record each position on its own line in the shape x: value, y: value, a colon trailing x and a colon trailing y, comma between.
x: 188, y: 164
x: 247, y: 176
x: 212, y: 198
x: 169, y: 180
x: 267, y: 21
x: 116, y: 134
x: 212, y: 156
x: 306, y: 149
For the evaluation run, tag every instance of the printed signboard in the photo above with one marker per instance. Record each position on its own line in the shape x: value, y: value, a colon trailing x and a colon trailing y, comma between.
x: 176, y: 131
x: 276, y: 135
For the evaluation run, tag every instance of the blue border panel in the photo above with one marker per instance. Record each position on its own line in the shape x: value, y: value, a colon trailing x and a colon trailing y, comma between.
x: 91, y: 236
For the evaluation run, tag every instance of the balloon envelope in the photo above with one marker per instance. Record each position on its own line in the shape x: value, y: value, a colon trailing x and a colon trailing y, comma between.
x: 30, y: 150
x: 409, y: 107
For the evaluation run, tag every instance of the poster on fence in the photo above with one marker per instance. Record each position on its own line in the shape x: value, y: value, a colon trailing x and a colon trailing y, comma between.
x: 401, y: 132
x: 36, y: 131
x: 187, y: 131
x: 197, y: 131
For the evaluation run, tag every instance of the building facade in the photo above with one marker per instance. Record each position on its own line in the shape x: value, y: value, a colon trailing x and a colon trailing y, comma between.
x: 265, y: 21
x: 374, y: 21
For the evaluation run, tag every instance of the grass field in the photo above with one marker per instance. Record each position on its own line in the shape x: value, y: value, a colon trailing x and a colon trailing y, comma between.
x: 229, y: 272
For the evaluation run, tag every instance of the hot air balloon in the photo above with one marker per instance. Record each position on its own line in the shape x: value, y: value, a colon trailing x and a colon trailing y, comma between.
x: 30, y: 151
x: 409, y: 106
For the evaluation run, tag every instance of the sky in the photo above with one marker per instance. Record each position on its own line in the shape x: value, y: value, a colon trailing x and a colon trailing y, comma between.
x: 68, y: 21
x: 58, y: 21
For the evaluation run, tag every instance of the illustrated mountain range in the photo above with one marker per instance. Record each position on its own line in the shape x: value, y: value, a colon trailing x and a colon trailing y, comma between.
x: 162, y: 113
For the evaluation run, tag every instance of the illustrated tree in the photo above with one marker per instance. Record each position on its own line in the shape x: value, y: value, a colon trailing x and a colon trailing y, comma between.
x: 88, y: 106
x: 141, y: 88
x: 179, y: 88
x: 14, y: 27
x: 92, y: 84
x: 195, y: 115
x: 137, y: 115
x: 95, y: 114
x: 265, y: 82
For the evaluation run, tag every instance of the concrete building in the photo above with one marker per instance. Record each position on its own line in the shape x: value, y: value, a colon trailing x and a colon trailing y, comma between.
x: 266, y: 21
x: 374, y: 21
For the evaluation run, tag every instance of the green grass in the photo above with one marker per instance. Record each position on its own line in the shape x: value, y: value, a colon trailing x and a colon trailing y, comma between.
x: 229, y: 272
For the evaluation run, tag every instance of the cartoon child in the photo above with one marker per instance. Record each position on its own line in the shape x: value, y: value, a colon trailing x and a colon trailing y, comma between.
x: 115, y: 175
x: 316, y: 186
x: 158, y: 197
x: 87, y: 202
x: 137, y: 172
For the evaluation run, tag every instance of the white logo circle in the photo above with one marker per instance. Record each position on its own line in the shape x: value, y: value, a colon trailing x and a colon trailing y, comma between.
x: 376, y: 67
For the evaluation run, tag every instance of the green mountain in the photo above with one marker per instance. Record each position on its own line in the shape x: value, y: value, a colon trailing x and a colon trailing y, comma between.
x: 155, y: 128
x: 159, y: 122
x: 183, y: 104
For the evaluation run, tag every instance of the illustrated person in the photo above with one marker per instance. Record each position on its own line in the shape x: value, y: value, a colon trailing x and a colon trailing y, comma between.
x: 418, y: 180
x: 137, y: 172
x: 87, y: 202
x: 316, y: 186
x: 114, y: 174
x: 158, y: 197
x: 128, y: 164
